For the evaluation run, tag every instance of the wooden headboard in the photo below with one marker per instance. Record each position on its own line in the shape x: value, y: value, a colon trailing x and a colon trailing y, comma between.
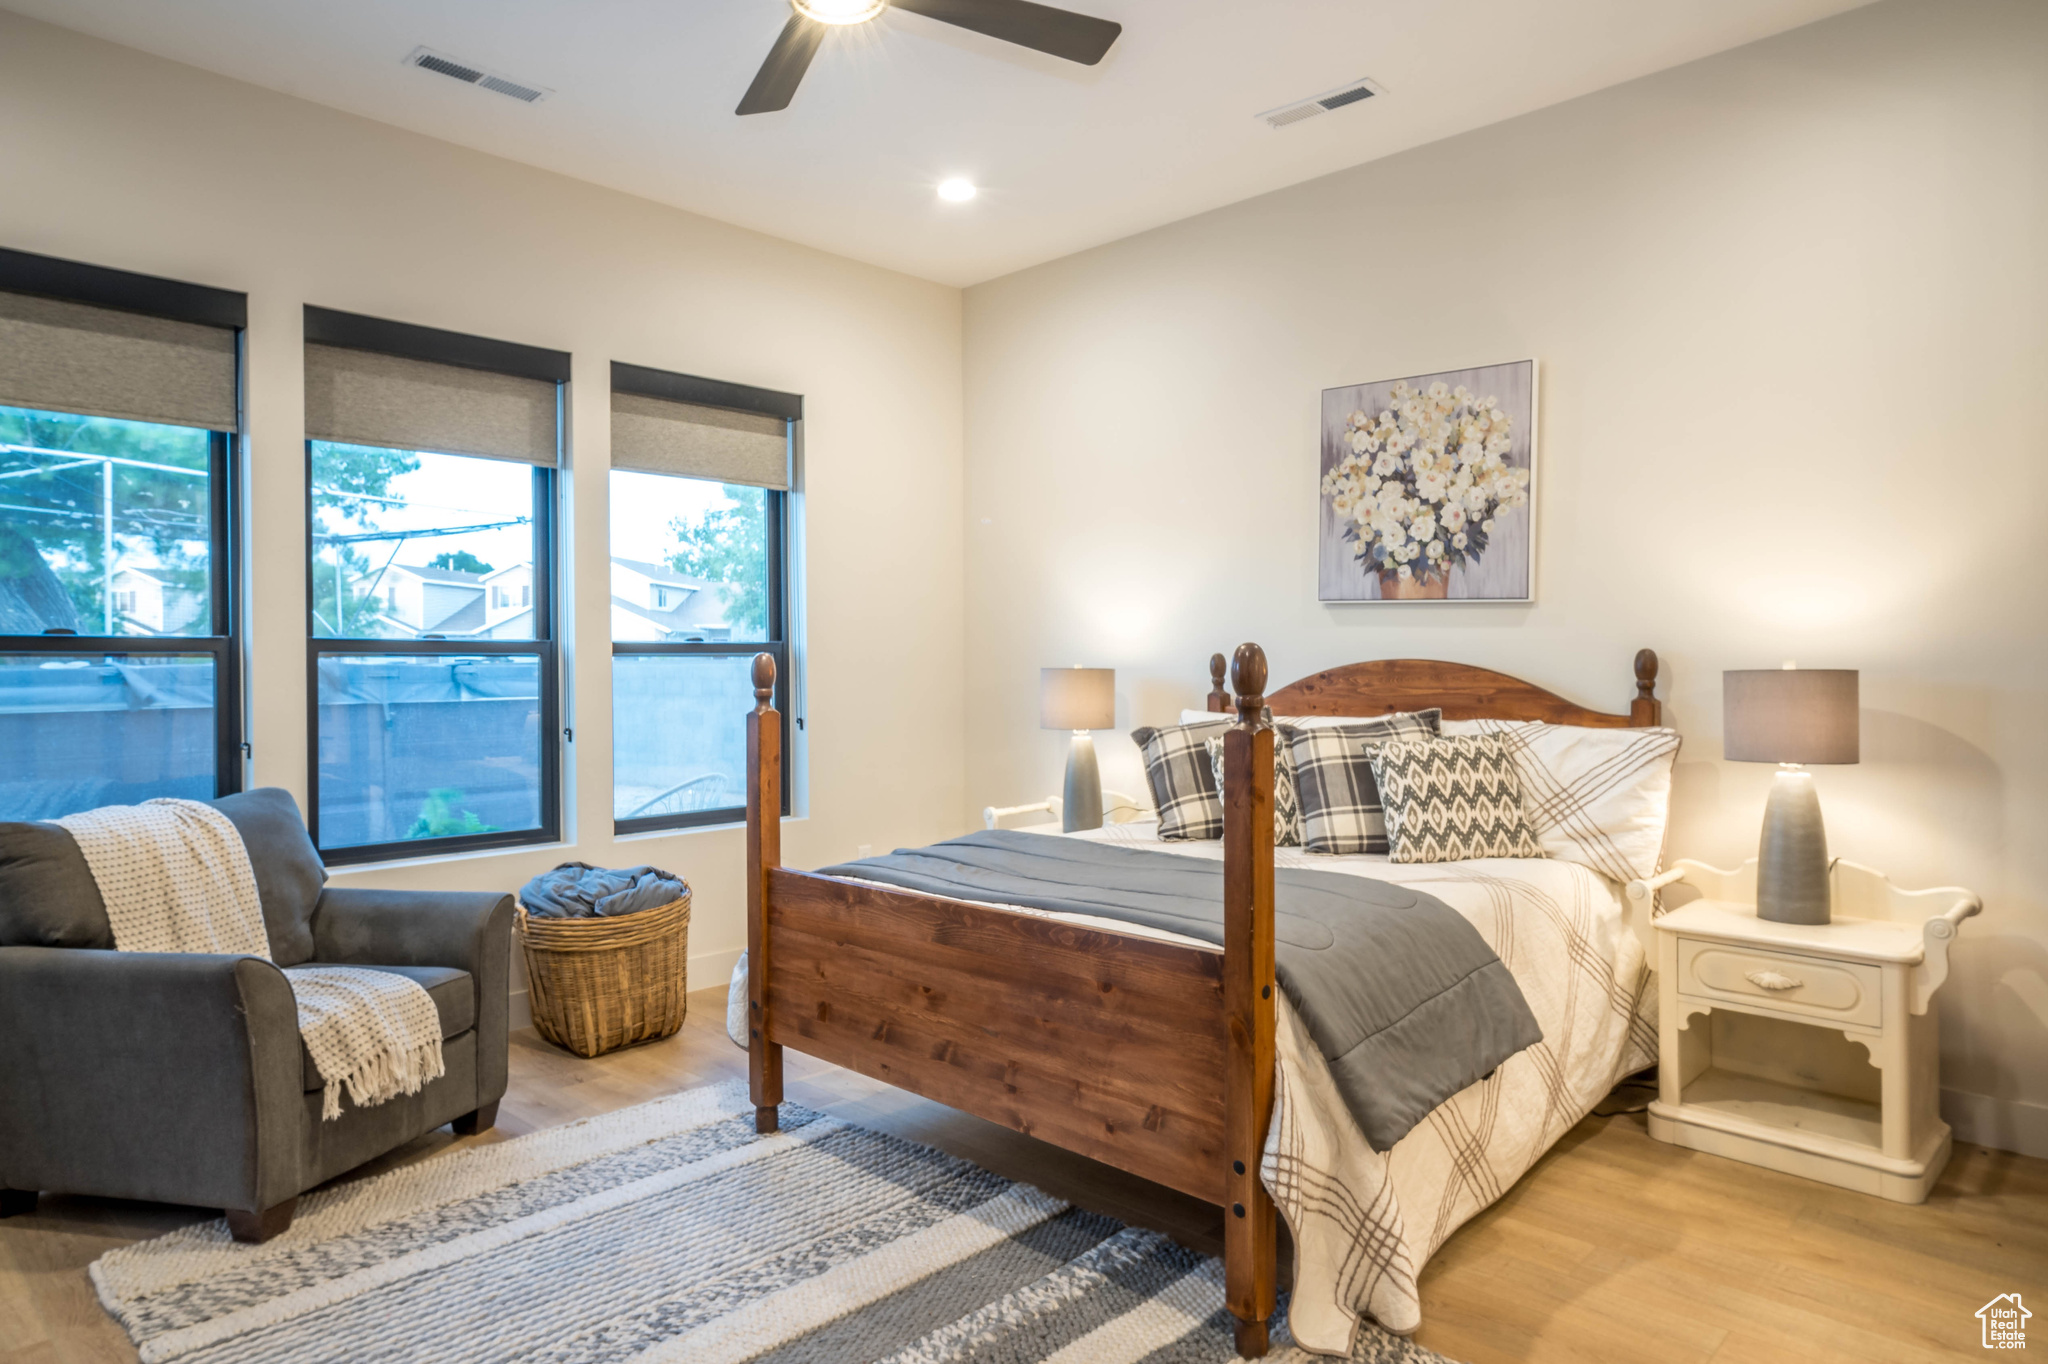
x: 1462, y: 691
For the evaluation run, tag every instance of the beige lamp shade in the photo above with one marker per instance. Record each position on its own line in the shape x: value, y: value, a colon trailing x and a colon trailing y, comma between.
x: 1076, y: 698
x: 1789, y: 715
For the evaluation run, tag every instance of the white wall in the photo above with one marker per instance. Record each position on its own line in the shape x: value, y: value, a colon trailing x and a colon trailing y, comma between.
x: 1791, y: 305
x: 120, y: 159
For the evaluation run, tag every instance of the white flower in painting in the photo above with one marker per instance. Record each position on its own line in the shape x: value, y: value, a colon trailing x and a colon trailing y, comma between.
x: 1359, y: 419
x: 1406, y: 573
x: 1454, y: 518
x: 1369, y: 484
x: 1462, y: 393
x: 1424, y: 528
x: 1487, y: 525
x: 1360, y: 442
x: 1458, y: 540
x: 1431, y: 486
x: 1387, y: 465
x: 1342, y: 504
x: 1436, y: 549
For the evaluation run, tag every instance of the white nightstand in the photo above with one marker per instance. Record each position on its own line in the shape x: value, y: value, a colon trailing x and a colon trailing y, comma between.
x: 1756, y: 1022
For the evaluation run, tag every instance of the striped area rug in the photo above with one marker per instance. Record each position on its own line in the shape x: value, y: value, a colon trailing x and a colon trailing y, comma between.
x: 671, y: 1232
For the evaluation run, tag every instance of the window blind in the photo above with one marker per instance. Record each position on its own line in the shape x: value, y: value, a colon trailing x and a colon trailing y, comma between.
x: 64, y: 356
x: 664, y: 436
x: 362, y: 397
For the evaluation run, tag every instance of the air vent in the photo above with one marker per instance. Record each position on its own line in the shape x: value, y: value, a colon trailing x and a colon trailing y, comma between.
x: 442, y: 64
x: 1352, y: 92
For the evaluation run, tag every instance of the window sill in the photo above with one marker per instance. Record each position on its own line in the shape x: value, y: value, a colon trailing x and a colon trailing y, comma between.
x: 438, y: 859
x: 740, y: 824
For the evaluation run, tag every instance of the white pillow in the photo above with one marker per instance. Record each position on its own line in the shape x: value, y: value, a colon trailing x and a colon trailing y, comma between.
x: 1598, y: 797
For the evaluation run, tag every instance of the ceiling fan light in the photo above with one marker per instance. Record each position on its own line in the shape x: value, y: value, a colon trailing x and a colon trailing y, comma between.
x: 839, y: 11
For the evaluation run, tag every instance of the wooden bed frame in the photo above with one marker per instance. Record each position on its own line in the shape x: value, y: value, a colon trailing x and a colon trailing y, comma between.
x: 1150, y: 1056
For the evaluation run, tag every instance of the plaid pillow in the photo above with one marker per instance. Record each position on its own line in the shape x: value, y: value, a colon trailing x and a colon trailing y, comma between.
x: 1286, y: 804
x: 1340, y: 801
x: 1182, y: 782
x: 1452, y: 799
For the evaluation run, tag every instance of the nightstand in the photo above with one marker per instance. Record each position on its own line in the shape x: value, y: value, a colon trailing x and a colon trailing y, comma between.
x: 1806, y: 1048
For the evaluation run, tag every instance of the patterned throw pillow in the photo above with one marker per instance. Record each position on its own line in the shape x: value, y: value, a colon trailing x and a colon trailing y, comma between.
x: 1598, y: 797
x: 1452, y: 799
x: 1286, y: 804
x: 1340, y: 801
x: 1183, y: 784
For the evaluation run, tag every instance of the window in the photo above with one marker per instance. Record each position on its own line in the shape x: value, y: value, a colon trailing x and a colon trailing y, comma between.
x: 119, y: 676
x: 434, y: 679
x: 699, y: 526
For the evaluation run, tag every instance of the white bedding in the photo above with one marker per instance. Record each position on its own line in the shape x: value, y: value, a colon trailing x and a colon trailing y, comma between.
x: 1365, y: 1223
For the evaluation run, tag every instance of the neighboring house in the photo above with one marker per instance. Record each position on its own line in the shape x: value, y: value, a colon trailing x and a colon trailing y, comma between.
x: 649, y: 602
x: 508, y: 603
x: 152, y: 604
x: 442, y: 601
x: 653, y: 602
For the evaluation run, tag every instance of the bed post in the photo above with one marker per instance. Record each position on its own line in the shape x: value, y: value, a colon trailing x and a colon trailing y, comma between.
x: 764, y: 852
x: 1219, y: 699
x: 1249, y: 1248
x: 1646, y: 709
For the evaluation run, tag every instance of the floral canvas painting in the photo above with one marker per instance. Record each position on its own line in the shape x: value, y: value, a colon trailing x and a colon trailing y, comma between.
x: 1427, y: 487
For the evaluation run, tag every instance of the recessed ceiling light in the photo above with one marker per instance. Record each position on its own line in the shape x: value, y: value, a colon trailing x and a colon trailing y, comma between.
x: 957, y: 190
x: 839, y: 11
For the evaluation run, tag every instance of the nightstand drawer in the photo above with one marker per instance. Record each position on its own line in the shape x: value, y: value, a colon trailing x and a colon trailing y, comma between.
x: 1845, y: 992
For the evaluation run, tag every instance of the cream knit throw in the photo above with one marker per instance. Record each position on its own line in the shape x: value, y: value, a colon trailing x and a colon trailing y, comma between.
x: 176, y: 878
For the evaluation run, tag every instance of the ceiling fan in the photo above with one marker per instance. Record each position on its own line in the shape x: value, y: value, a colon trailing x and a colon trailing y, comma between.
x: 1062, y: 33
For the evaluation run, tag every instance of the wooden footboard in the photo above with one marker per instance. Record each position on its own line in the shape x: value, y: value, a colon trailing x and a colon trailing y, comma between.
x: 1153, y: 1057
x: 1103, y: 1043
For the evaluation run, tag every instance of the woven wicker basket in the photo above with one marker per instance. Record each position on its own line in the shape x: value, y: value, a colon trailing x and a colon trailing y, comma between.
x: 600, y: 984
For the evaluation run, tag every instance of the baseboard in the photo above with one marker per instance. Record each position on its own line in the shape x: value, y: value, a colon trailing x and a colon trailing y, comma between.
x: 712, y: 971
x: 2006, y: 1124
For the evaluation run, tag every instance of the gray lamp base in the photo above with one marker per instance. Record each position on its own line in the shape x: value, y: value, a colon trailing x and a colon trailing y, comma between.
x: 1792, y: 857
x: 1081, y: 802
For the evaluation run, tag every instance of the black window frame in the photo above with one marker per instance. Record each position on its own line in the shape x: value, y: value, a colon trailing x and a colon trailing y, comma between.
x: 327, y: 327
x: 100, y: 286
x: 688, y: 388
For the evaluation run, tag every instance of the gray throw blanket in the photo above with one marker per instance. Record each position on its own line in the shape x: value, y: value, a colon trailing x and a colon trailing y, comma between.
x: 577, y: 890
x: 1404, y: 999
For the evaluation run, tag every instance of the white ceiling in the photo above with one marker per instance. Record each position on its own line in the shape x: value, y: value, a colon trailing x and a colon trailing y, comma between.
x: 1067, y: 156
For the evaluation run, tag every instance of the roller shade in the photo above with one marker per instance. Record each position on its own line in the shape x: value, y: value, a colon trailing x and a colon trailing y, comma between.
x: 63, y: 356
x: 663, y: 436
x: 362, y: 397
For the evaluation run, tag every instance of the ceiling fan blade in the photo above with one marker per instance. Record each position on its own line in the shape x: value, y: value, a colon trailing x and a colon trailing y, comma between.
x: 1063, y: 33
x: 775, y: 83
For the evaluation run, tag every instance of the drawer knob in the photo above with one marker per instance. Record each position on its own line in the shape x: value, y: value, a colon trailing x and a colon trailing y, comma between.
x: 1771, y: 980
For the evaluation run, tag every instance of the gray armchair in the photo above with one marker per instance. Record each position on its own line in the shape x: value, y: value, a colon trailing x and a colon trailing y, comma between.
x: 181, y: 1078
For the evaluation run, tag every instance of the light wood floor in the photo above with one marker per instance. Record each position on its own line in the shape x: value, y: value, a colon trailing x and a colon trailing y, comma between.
x: 1614, y: 1247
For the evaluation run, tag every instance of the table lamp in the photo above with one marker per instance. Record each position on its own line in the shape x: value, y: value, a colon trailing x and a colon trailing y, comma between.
x: 1079, y: 699
x: 1793, y: 717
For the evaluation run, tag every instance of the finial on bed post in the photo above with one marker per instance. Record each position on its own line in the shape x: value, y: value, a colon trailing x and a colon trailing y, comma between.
x: 1248, y: 679
x: 764, y: 854
x: 1646, y: 709
x: 1249, y: 1236
x: 1219, y: 699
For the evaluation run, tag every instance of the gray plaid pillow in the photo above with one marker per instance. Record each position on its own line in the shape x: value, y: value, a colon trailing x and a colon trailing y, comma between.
x: 1182, y: 782
x: 1340, y: 801
x: 1286, y: 804
x: 1452, y: 799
